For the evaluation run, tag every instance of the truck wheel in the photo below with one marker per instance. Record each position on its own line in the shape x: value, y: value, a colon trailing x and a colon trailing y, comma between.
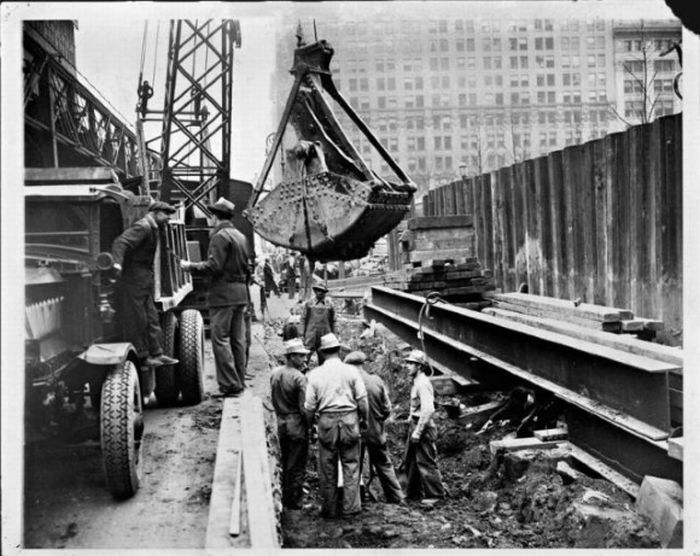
x: 191, y: 356
x: 167, y: 389
x: 121, y: 430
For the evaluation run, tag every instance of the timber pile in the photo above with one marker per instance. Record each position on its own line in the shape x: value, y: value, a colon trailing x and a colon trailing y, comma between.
x: 460, y: 281
x: 598, y: 317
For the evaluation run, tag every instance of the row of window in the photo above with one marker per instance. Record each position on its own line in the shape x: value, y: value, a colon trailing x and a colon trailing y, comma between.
x: 514, y: 26
x: 639, y: 45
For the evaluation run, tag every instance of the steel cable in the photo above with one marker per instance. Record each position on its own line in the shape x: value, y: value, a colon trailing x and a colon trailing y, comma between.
x: 431, y: 299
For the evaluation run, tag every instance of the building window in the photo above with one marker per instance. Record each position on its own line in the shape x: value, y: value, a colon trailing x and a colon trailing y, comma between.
x: 470, y: 45
x: 364, y: 85
x: 444, y: 63
x: 380, y: 83
x: 513, y: 62
x: 420, y: 143
x: 391, y: 84
x: 445, y: 81
x: 381, y: 103
x: 487, y: 62
x: 459, y: 44
x: 497, y: 62
x: 499, y: 99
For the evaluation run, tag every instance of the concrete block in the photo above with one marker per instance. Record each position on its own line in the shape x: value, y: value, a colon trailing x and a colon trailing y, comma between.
x: 675, y: 448
x: 551, y: 434
x: 661, y: 500
x: 567, y: 473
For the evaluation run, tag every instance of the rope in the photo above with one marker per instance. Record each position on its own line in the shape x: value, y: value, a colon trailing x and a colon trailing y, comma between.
x: 431, y: 299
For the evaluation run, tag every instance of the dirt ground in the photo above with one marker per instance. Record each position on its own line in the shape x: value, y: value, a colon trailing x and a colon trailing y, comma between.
x: 67, y: 505
x: 503, y: 502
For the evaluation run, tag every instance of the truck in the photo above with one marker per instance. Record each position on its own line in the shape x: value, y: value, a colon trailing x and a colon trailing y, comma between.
x: 83, y: 383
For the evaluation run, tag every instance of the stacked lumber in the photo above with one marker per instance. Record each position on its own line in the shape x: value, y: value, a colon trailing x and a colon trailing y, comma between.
x: 598, y: 317
x: 456, y: 280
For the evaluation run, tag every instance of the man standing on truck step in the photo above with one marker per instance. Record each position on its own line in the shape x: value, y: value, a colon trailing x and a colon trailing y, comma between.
x: 228, y: 264
x: 420, y: 456
x: 133, y: 252
x: 374, y: 436
x: 336, y: 395
x: 317, y: 319
x: 288, y: 391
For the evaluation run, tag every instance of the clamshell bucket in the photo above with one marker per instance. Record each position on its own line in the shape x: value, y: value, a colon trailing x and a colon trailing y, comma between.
x: 329, y: 205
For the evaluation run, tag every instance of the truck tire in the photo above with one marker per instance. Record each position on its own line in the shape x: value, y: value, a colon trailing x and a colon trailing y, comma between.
x: 191, y: 356
x: 167, y: 388
x: 121, y: 430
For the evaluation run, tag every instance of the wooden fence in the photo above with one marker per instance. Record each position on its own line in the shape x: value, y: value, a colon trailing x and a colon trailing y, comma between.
x: 600, y: 221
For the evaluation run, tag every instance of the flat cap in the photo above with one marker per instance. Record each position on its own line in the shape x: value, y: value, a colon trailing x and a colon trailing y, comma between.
x: 222, y: 206
x: 355, y: 358
x: 161, y: 206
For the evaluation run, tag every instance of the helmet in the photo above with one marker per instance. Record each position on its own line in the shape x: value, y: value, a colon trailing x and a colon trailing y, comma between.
x: 417, y: 356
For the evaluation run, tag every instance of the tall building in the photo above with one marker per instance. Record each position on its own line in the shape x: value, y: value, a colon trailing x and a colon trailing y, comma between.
x: 452, y: 96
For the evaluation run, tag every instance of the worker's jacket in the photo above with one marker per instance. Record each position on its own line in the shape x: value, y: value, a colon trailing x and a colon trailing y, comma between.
x: 135, y: 249
x: 288, y: 390
x: 379, y: 408
x: 317, y: 319
x: 227, y: 264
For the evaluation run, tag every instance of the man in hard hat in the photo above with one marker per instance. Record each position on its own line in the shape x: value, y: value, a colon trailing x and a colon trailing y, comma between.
x: 133, y: 253
x: 288, y: 390
x: 228, y: 264
x: 336, y: 397
x: 373, y: 436
x: 317, y: 319
x: 420, y: 457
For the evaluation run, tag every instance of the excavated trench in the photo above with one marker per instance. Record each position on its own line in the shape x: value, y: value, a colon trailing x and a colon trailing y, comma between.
x: 507, y: 500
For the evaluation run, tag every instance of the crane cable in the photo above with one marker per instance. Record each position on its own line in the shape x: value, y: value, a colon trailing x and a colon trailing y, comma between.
x: 143, y: 50
x: 431, y: 299
x: 155, y: 55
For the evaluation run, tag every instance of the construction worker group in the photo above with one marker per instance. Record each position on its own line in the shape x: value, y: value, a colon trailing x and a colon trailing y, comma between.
x: 344, y: 406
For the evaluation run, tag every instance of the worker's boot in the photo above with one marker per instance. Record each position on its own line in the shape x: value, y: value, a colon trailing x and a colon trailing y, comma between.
x: 160, y: 360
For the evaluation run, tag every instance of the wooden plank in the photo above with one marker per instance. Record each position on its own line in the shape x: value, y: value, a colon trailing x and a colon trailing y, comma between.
x: 556, y: 182
x: 498, y: 210
x: 541, y: 178
x: 634, y: 202
x: 622, y: 263
x: 599, y: 313
x: 645, y: 283
x: 632, y: 325
x: 529, y: 443
x: 587, y: 214
x: 659, y: 352
x: 509, y: 239
x: 610, y: 142
x: 519, y: 223
x: 569, y: 215
x: 234, y: 527
x: 544, y: 435
x: 600, y: 211
x: 488, y: 258
x: 479, y: 216
x: 262, y: 524
x: 629, y: 486
x: 533, y: 234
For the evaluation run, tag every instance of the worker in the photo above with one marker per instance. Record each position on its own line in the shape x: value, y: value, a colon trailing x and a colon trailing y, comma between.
x: 317, y: 319
x: 336, y: 397
x: 228, y: 265
x: 420, y: 456
x: 288, y: 389
x: 374, y: 436
x: 133, y: 252
x: 145, y: 92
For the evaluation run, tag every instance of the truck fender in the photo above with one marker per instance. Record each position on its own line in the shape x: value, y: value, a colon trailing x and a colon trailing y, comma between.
x: 108, y: 354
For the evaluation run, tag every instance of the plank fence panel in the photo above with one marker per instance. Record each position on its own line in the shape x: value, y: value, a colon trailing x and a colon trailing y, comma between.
x: 601, y: 221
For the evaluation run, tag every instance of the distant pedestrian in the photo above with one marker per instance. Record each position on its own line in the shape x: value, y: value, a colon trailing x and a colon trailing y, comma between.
x: 228, y: 264
x: 269, y: 278
x: 290, y: 268
x: 288, y: 391
x: 317, y: 319
x: 337, y: 398
x: 420, y: 456
x: 374, y: 436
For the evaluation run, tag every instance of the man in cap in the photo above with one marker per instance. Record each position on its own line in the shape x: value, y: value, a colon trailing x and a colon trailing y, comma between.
x: 133, y: 252
x: 420, y: 456
x: 336, y: 396
x: 229, y: 267
x: 288, y: 390
x: 373, y: 436
x: 317, y: 319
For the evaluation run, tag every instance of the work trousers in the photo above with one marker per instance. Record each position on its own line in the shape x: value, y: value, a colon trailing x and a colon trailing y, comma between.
x: 139, y: 320
x: 294, y: 447
x: 228, y: 341
x: 420, y: 462
x: 339, y: 440
x: 380, y: 461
